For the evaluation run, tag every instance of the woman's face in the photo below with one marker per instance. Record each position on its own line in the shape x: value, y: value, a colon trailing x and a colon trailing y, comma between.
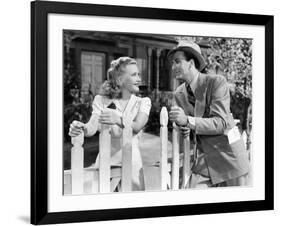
x: 130, y: 79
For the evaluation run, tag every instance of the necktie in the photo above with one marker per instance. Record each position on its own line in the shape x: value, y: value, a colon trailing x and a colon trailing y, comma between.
x: 191, y: 97
x: 191, y: 100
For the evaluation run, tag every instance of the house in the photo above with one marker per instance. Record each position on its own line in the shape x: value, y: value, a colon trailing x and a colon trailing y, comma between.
x: 90, y: 54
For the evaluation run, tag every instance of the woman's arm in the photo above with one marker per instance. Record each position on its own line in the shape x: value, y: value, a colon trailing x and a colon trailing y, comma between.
x: 112, y: 117
x: 142, y: 117
x: 139, y: 122
x: 137, y: 125
x: 89, y: 129
x: 91, y: 126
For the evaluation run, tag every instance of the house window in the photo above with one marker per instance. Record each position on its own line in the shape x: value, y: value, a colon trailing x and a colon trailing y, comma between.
x: 92, y: 72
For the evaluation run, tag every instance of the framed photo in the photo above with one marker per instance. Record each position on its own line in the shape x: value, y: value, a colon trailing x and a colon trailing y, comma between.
x: 82, y: 171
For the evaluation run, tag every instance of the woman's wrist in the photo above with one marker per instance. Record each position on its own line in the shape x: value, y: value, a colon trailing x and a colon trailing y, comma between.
x: 86, y: 130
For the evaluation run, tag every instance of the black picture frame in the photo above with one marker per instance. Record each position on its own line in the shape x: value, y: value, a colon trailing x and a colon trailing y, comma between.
x: 39, y: 112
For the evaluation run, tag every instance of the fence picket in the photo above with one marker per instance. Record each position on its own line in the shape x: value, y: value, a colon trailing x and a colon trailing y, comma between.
x: 186, y: 162
x: 95, y: 182
x: 164, y: 148
x: 175, y: 155
x: 126, y: 179
x: 104, y: 161
x: 77, y: 165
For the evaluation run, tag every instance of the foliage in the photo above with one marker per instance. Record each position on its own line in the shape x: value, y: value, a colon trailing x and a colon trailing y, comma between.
x: 80, y: 109
x: 153, y: 124
x: 76, y: 107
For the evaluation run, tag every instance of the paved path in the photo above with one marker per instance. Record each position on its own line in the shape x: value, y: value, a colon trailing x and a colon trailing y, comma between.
x: 150, y: 148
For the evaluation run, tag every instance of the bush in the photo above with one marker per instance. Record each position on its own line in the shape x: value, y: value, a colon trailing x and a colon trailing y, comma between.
x: 76, y: 107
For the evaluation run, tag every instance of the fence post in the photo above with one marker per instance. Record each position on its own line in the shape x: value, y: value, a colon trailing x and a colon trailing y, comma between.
x: 175, y: 162
x: 186, y: 162
x: 104, y: 159
x: 127, y: 135
x: 77, y: 165
x: 164, y: 148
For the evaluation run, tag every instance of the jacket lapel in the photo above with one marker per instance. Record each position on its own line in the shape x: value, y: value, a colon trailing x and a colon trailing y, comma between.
x: 182, y: 98
x: 200, y: 95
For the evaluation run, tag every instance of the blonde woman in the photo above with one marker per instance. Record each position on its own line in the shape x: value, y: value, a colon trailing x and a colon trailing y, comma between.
x: 115, y: 104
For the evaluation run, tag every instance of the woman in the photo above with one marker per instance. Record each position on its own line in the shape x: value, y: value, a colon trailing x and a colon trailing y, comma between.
x: 117, y: 103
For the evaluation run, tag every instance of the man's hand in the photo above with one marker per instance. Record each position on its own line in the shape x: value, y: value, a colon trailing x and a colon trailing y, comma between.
x: 110, y: 117
x: 178, y: 116
x: 185, y: 131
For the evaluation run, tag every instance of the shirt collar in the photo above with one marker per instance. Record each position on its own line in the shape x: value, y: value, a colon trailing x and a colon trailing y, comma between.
x: 118, y: 106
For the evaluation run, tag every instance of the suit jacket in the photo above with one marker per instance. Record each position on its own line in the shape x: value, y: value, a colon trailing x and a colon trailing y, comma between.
x: 221, y: 160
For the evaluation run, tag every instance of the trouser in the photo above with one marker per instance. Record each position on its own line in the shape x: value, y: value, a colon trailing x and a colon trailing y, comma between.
x: 200, y: 181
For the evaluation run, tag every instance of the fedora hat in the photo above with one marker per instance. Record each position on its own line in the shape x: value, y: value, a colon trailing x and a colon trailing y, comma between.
x: 191, y: 48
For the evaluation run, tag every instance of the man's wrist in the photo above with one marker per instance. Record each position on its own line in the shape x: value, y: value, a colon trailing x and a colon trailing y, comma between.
x: 191, y: 122
x: 187, y: 120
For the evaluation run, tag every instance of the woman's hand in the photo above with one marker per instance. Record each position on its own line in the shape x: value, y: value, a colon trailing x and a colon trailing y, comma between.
x: 76, y: 128
x: 110, y: 117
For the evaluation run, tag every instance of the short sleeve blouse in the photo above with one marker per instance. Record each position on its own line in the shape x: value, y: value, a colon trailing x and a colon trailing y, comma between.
x: 145, y: 105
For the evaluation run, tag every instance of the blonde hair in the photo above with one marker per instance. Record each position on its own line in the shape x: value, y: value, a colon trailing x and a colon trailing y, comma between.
x: 110, y: 87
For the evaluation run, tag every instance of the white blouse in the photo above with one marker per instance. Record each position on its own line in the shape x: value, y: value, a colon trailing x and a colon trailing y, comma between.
x: 134, y: 106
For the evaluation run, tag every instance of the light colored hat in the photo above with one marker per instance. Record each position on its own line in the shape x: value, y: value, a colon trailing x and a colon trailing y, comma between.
x: 192, y: 48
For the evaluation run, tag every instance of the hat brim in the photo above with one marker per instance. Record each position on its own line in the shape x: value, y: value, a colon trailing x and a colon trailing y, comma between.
x: 201, y: 61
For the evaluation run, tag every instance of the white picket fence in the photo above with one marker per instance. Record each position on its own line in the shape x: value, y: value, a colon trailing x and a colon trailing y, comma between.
x: 102, y: 180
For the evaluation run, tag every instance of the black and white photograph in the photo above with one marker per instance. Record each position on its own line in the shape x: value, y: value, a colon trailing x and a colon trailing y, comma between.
x: 150, y: 112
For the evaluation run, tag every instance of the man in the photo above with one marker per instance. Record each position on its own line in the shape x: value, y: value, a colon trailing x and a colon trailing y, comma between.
x: 204, y: 107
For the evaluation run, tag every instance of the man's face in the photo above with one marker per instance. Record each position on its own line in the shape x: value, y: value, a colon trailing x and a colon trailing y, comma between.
x: 181, y: 67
